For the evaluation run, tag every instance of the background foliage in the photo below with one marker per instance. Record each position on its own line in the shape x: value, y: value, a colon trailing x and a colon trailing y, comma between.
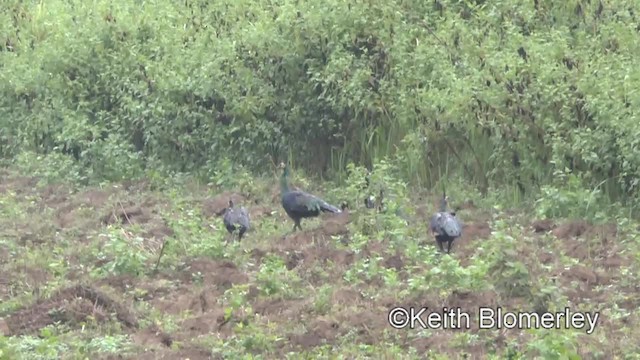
x: 506, y: 93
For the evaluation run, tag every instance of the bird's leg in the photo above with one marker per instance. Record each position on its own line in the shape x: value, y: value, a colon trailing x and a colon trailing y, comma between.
x: 440, y: 244
x: 449, y: 246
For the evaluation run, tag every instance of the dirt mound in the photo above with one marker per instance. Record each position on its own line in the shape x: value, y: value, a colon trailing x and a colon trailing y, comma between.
x: 476, y: 230
x: 581, y: 228
x: 35, y: 277
x: 319, y: 332
x: 309, y: 256
x: 189, y: 352
x: 589, y: 241
x: 471, y: 232
x: 572, y: 229
x: 94, y: 198
x: 66, y: 306
x: 127, y: 215
x: 122, y: 283
x: 211, y: 207
x: 615, y: 261
x: 541, y: 226
x: 582, y: 274
x: 70, y: 209
x: 283, y: 308
x: 5, y: 254
x: 346, y: 296
x: 184, y: 298
x: 470, y: 302
x: 336, y: 224
x: 152, y: 337
x: 221, y: 274
x: 55, y: 195
x: 213, y: 322
x: 159, y: 231
x: 368, y: 322
x: 396, y: 262
x: 259, y: 211
x: 66, y: 217
x: 18, y: 184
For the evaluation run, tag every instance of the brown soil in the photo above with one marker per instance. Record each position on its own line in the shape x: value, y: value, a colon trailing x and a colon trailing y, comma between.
x: 193, y: 294
x: 67, y: 306
x: 541, y: 226
x: 214, y: 206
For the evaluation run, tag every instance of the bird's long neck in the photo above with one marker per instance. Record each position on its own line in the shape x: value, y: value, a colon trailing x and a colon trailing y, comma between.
x: 443, y: 205
x: 284, y: 184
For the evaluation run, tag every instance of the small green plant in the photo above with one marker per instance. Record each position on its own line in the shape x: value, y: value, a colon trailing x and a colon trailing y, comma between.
x: 322, y: 299
x: 51, y: 168
x: 570, y: 199
x: 123, y: 253
x: 274, y: 278
x: 234, y: 300
x: 508, y: 273
x: 556, y: 345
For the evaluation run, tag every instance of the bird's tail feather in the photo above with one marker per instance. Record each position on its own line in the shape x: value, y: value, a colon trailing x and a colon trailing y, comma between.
x: 326, y: 207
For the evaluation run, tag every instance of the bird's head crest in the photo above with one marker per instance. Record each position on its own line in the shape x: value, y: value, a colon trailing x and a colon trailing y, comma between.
x: 230, y: 203
x: 284, y: 167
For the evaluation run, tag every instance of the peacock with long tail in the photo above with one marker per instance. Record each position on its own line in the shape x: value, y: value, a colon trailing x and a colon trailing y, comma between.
x: 301, y: 205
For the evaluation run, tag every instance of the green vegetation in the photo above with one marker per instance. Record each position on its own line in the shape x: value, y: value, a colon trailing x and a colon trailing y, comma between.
x: 504, y: 93
x: 126, y: 126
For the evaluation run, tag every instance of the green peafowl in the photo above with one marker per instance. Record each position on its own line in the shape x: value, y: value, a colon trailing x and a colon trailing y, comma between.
x: 236, y: 219
x: 445, y: 226
x: 299, y: 204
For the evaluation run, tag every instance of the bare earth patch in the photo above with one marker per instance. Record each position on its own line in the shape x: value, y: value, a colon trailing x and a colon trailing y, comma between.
x: 168, y: 313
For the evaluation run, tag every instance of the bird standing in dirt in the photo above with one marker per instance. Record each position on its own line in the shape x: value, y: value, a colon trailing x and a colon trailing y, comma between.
x: 299, y: 204
x: 445, y: 226
x: 236, y: 219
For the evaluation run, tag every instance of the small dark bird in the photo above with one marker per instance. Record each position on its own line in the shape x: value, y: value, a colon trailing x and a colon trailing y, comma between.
x: 445, y: 226
x: 299, y: 204
x: 236, y: 219
x: 375, y: 202
x: 369, y: 201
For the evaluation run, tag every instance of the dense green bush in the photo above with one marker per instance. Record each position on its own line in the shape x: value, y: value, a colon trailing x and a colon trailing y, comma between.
x: 497, y: 91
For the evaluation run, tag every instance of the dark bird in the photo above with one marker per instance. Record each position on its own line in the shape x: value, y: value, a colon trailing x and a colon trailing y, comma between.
x: 236, y: 219
x: 299, y: 204
x: 370, y: 200
x: 381, y: 206
x: 445, y: 226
